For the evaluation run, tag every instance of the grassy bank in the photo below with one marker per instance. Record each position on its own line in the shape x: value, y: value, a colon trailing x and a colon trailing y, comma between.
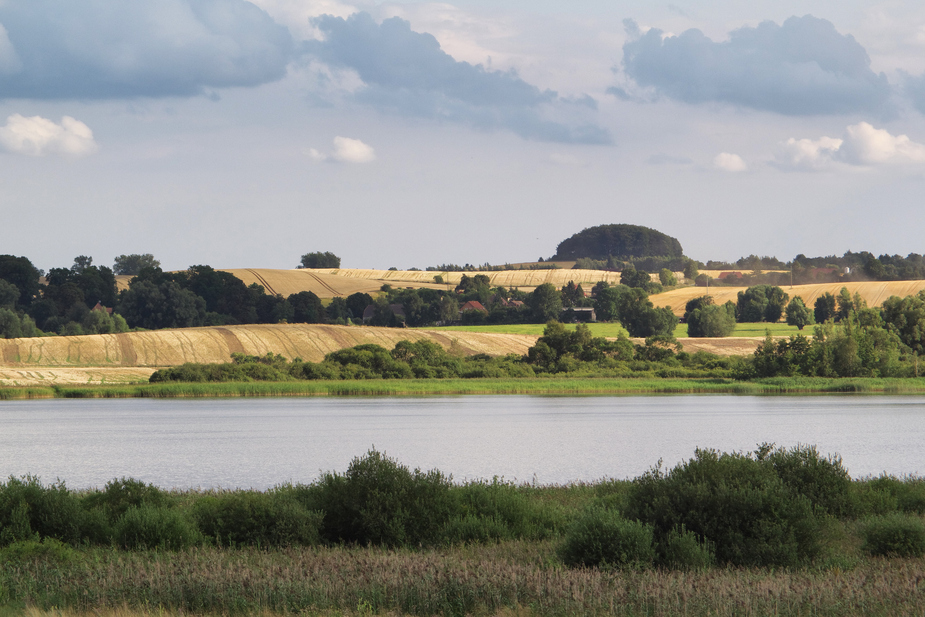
x: 550, y: 385
x: 511, y: 579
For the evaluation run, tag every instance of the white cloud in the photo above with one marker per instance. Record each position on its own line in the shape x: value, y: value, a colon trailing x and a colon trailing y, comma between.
x: 729, y: 162
x: 861, y: 145
x: 346, y: 150
x: 865, y: 145
x: 38, y: 136
x: 807, y: 154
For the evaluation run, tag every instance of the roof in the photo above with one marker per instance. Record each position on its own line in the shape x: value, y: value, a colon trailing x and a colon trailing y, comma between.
x: 473, y: 305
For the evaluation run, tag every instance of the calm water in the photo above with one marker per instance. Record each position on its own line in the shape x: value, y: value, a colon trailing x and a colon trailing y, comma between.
x: 261, y: 442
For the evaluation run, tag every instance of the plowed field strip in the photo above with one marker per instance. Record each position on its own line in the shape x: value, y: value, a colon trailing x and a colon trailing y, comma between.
x: 266, y: 286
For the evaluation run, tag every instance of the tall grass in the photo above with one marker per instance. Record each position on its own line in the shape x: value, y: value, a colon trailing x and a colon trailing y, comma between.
x: 509, y: 578
x: 643, y: 383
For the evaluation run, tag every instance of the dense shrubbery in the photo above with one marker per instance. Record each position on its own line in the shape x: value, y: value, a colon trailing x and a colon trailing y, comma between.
x: 772, y: 507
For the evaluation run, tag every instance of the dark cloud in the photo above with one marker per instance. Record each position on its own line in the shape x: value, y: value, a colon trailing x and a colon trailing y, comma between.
x: 802, y: 67
x: 407, y: 72
x: 98, y: 49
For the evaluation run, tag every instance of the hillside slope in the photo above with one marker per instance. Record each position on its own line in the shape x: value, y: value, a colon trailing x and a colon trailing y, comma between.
x: 310, y: 342
x: 874, y: 293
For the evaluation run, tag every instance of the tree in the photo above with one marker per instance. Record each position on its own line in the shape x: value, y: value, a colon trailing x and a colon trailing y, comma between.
x: 307, y: 308
x: 906, y: 317
x: 9, y: 294
x: 572, y: 294
x: 133, y: 264
x: 690, y: 269
x: 848, y: 303
x: 667, y: 278
x: 761, y: 303
x: 798, y: 314
x: 824, y: 308
x: 357, y: 303
x: 632, y: 277
x: 696, y: 303
x: 621, y: 241
x: 81, y: 263
x: 20, y: 272
x: 148, y: 305
x: 10, y: 324
x: 712, y: 320
x: 320, y: 260
x: 545, y: 303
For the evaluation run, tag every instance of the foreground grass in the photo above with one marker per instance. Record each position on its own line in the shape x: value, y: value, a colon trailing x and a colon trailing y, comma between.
x: 544, y: 385
x: 613, y: 329
x: 509, y: 578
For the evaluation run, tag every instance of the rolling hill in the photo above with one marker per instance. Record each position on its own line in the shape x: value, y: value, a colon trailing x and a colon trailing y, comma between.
x: 874, y: 293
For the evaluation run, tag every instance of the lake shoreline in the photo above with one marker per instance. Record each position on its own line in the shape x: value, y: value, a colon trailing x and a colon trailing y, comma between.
x: 456, y: 387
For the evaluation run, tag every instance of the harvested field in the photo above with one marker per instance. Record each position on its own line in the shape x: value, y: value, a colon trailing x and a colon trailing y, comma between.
x: 69, y: 376
x: 159, y: 348
x: 874, y: 293
x: 526, y: 279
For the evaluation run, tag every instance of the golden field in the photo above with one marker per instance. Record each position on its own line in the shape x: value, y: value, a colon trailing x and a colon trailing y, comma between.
x: 340, y: 282
x: 874, y: 293
x: 134, y: 356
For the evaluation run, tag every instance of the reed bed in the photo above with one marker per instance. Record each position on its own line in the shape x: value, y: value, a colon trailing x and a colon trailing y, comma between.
x: 541, y: 385
x: 514, y: 578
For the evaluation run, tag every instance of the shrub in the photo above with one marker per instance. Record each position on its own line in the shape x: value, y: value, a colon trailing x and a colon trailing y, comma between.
x: 734, y: 501
x: 499, y: 510
x: 894, y: 535
x: 823, y: 480
x: 683, y: 550
x: 379, y: 501
x: 601, y: 537
x: 48, y: 550
x: 121, y: 494
x: 886, y: 494
x: 30, y: 511
x: 262, y: 519
x: 149, y: 527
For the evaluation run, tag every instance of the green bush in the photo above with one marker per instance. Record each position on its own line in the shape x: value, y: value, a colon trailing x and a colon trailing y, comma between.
x: 822, y: 480
x: 121, y: 494
x: 601, y: 537
x: 499, y: 510
x: 148, y: 527
x: 737, y: 503
x: 886, y: 494
x: 381, y: 502
x: 683, y: 550
x: 48, y: 550
x: 30, y: 511
x: 894, y: 535
x: 261, y: 519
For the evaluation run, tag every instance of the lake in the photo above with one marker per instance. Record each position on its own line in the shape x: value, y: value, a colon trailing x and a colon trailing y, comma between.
x: 257, y: 443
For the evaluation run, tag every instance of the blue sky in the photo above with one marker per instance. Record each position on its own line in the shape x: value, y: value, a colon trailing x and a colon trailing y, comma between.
x: 244, y: 134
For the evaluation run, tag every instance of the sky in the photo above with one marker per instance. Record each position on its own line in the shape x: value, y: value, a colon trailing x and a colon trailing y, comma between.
x: 410, y: 134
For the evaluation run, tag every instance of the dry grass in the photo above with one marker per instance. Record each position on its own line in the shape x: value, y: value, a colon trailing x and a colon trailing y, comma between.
x: 487, y: 580
x: 874, y: 293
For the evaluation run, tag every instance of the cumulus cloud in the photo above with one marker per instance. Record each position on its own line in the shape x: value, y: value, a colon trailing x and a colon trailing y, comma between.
x: 802, y: 67
x: 37, y: 136
x: 729, y: 162
x: 861, y: 145
x: 98, y: 49
x: 407, y: 72
x: 346, y: 150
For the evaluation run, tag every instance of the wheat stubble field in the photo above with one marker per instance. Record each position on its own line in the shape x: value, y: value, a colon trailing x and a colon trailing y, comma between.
x: 133, y: 356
